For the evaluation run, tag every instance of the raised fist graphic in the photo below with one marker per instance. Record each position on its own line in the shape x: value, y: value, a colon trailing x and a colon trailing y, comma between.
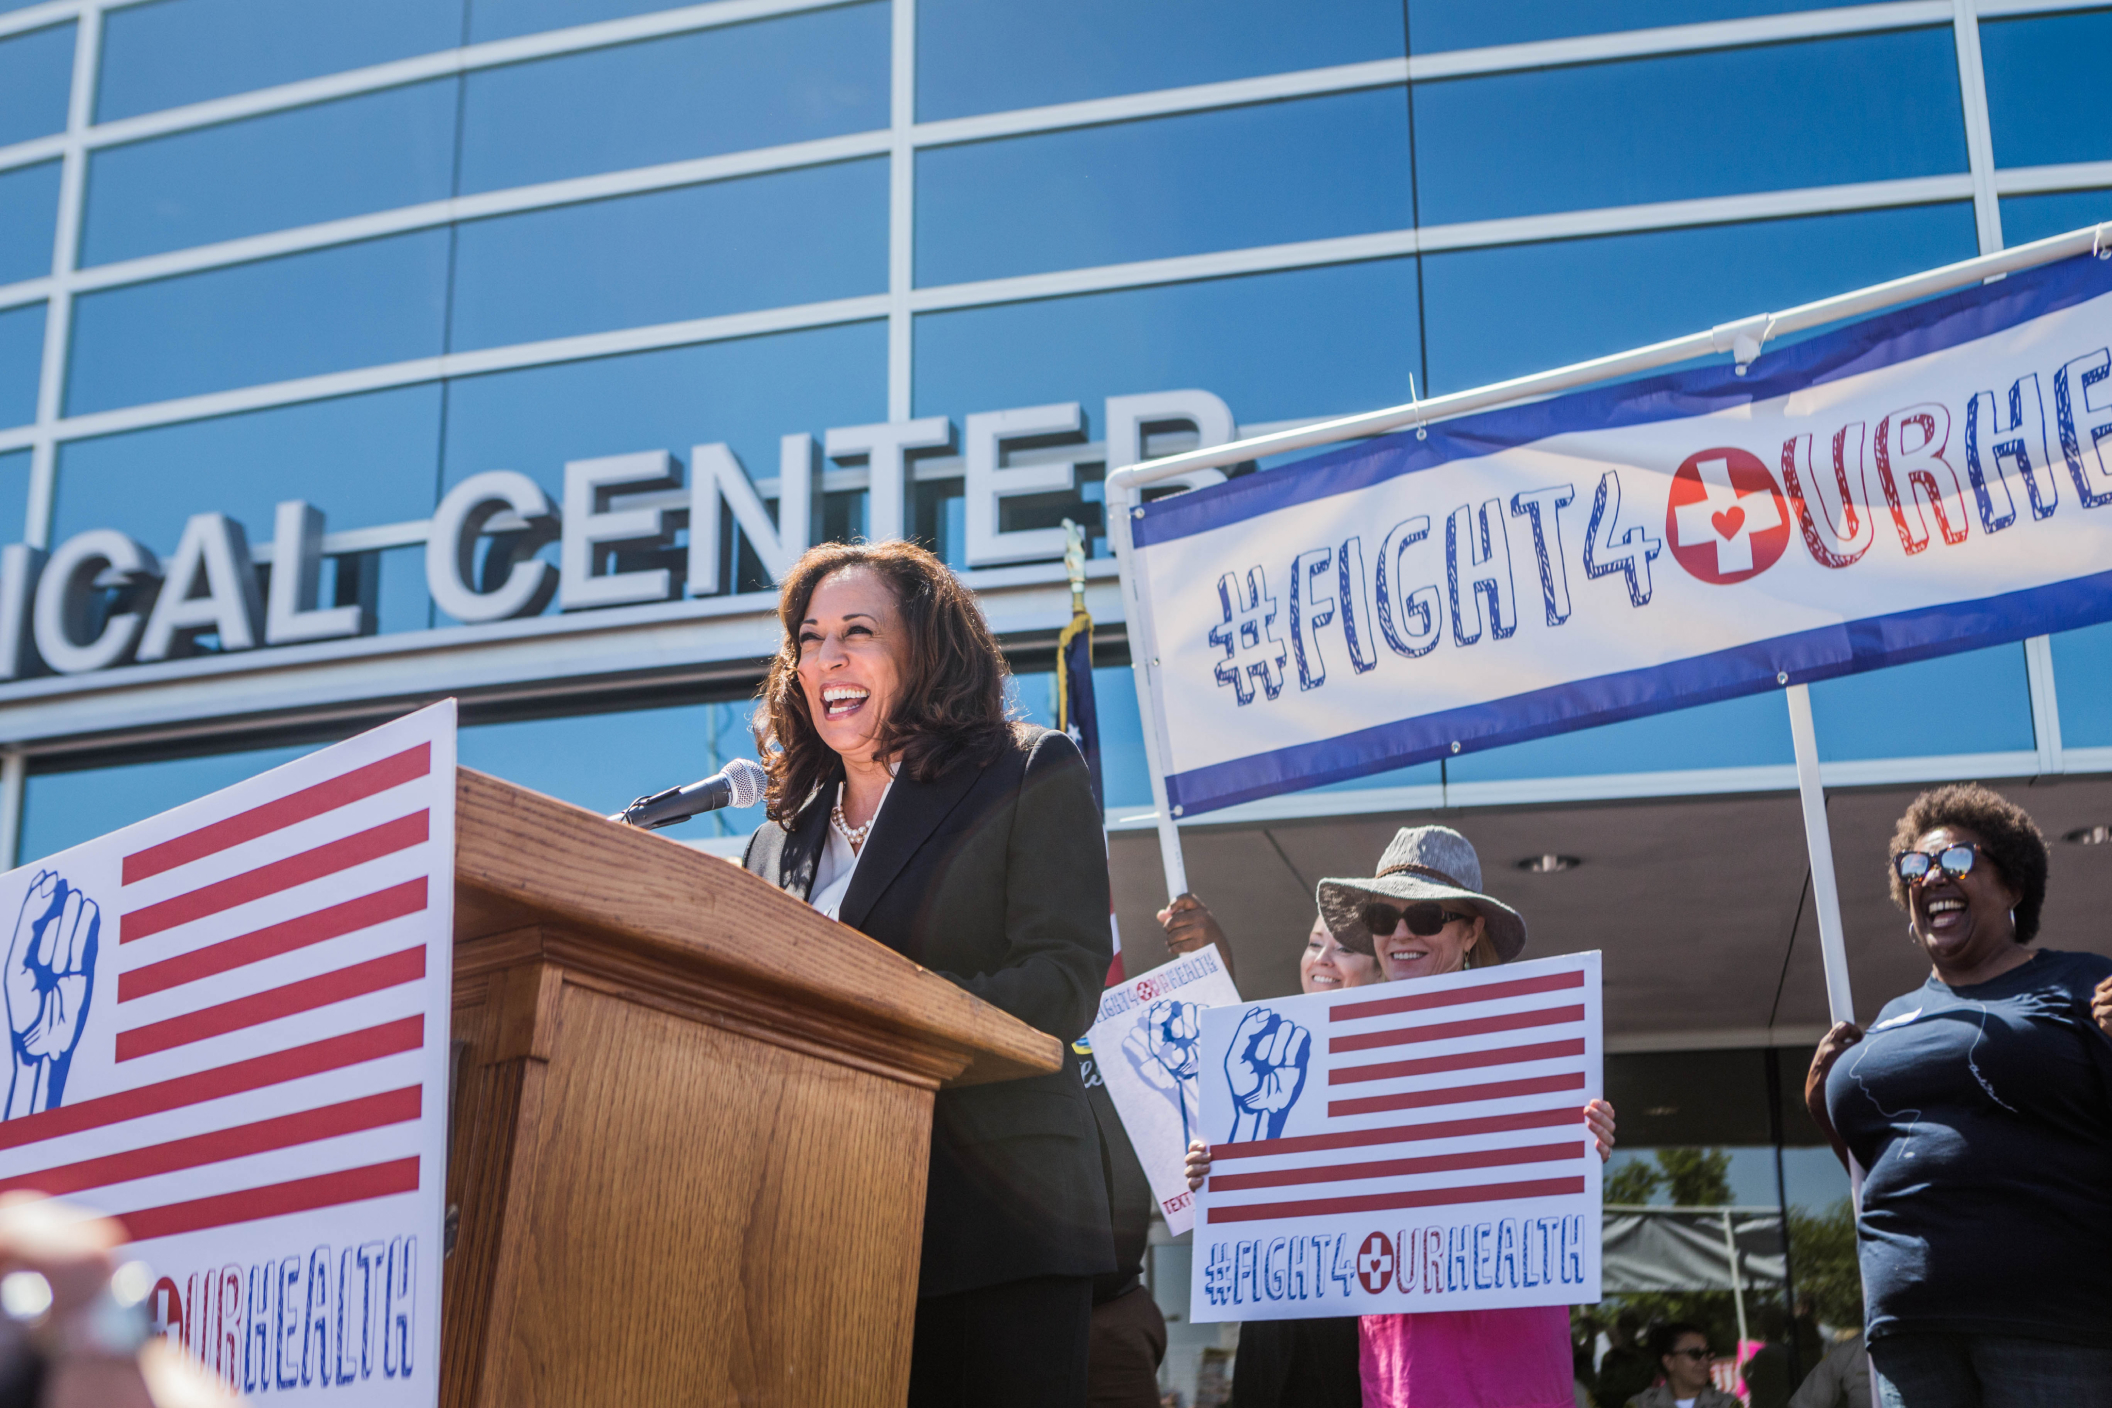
x: 1166, y: 1049
x: 1266, y: 1069
x: 49, y: 979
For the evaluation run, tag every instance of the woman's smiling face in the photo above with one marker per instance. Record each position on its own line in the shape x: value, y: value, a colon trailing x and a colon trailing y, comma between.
x: 848, y: 668
x: 1329, y: 967
x: 1961, y: 920
x: 1405, y: 955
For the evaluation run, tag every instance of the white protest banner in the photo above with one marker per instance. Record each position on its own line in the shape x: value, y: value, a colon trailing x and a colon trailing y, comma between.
x: 231, y: 1028
x: 1402, y: 1148
x: 1147, y: 1042
x: 1930, y: 481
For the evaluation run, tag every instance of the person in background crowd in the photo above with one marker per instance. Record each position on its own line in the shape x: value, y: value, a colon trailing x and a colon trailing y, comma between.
x: 1841, y: 1380
x: 1683, y: 1355
x: 903, y: 802
x: 1766, y: 1370
x: 1129, y: 1332
x: 1190, y: 925
x: 1627, y: 1368
x: 1287, y: 1363
x: 1423, y: 915
x: 1980, y: 1105
x: 83, y: 1349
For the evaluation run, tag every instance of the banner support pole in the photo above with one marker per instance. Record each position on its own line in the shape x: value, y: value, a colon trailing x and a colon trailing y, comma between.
x: 1143, y: 669
x: 1818, y: 841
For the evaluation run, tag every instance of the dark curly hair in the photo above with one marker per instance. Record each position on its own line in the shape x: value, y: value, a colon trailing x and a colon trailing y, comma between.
x: 2008, y: 837
x: 952, y: 705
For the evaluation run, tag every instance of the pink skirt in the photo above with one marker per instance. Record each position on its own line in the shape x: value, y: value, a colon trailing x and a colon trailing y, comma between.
x: 1469, y: 1359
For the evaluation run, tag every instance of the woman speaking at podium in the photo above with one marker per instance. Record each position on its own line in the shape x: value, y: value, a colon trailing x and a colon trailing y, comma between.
x: 902, y: 802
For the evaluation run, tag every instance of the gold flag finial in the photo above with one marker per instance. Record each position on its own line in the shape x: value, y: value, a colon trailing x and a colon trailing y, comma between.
x: 1074, y: 564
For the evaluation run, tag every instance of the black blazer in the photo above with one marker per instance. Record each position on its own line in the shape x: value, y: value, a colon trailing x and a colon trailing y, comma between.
x: 994, y: 877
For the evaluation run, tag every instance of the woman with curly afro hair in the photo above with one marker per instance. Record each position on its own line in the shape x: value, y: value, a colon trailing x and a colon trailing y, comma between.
x: 1980, y: 1105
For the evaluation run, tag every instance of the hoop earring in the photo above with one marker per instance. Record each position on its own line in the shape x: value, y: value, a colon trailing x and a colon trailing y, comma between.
x: 1912, y: 937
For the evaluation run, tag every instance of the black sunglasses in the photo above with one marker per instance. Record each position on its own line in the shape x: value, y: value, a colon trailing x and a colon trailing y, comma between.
x: 1951, y: 860
x: 1423, y: 919
x: 1697, y: 1355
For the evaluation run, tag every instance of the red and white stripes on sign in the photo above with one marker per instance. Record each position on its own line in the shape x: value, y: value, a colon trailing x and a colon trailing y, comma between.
x: 269, y: 1014
x: 1462, y: 1105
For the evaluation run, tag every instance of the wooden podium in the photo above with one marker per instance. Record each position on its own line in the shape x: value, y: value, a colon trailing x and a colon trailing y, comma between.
x: 690, y: 1124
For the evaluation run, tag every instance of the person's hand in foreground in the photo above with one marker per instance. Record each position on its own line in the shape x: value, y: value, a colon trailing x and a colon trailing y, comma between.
x: 2101, y: 1006
x: 73, y: 1252
x: 1598, y: 1118
x: 1842, y: 1036
x: 1197, y: 1163
x: 1190, y: 925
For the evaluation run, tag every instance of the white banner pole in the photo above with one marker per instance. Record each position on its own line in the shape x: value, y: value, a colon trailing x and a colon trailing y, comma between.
x: 1143, y: 668
x: 1818, y: 840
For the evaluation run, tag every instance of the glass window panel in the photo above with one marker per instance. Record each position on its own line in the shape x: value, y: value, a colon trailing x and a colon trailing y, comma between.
x: 2038, y: 71
x: 174, y: 52
x: 605, y: 761
x: 1268, y: 174
x: 373, y: 152
x: 363, y: 460
x: 1496, y: 313
x: 1125, y: 778
x: 2082, y: 679
x: 29, y: 213
x: 1435, y: 25
x: 61, y: 809
x: 2028, y: 218
x: 14, y: 495
x: 1869, y: 108
x: 1306, y: 342
x: 303, y: 315
x: 746, y: 393
x: 976, y: 57
x: 715, y: 90
x: 1977, y: 702
x: 36, y: 79
x: 1734, y: 733
x: 503, y: 19
x: 727, y: 247
x: 21, y: 362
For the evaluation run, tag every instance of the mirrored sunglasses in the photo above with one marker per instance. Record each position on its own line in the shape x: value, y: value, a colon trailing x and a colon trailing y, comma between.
x: 1423, y: 919
x: 1914, y: 866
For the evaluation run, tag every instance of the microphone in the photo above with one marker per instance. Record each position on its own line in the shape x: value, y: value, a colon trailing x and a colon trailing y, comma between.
x: 739, y: 784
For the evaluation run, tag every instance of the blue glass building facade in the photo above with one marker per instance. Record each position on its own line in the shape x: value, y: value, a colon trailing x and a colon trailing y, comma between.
x: 358, y: 252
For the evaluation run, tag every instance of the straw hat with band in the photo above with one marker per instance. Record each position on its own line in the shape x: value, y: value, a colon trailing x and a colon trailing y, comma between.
x: 1433, y: 863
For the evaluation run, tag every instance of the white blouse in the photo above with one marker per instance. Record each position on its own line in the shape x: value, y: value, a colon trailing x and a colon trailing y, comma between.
x: 838, y: 862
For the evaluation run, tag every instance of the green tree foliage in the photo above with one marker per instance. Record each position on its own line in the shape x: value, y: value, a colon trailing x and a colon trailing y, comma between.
x: 1635, y: 1182
x: 1822, y: 1252
x: 1697, y: 1178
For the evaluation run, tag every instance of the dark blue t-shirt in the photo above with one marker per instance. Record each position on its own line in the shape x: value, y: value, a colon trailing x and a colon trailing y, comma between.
x: 1983, y: 1116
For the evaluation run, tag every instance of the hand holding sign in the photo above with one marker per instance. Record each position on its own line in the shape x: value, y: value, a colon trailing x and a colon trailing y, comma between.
x: 48, y: 980
x: 1266, y: 1071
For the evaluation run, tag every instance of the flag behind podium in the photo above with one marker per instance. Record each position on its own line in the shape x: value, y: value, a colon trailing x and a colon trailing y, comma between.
x: 231, y: 1027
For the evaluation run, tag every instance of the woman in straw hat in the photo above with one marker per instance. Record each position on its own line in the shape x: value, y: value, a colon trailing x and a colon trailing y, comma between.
x: 1423, y: 915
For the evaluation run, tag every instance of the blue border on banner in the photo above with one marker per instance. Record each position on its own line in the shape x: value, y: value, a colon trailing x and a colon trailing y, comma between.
x: 1916, y: 331
x: 1804, y: 656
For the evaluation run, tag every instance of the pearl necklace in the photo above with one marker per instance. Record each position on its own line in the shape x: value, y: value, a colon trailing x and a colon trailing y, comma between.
x: 855, y: 835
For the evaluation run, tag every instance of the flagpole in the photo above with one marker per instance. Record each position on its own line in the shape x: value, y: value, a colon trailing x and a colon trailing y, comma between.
x: 1143, y: 668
